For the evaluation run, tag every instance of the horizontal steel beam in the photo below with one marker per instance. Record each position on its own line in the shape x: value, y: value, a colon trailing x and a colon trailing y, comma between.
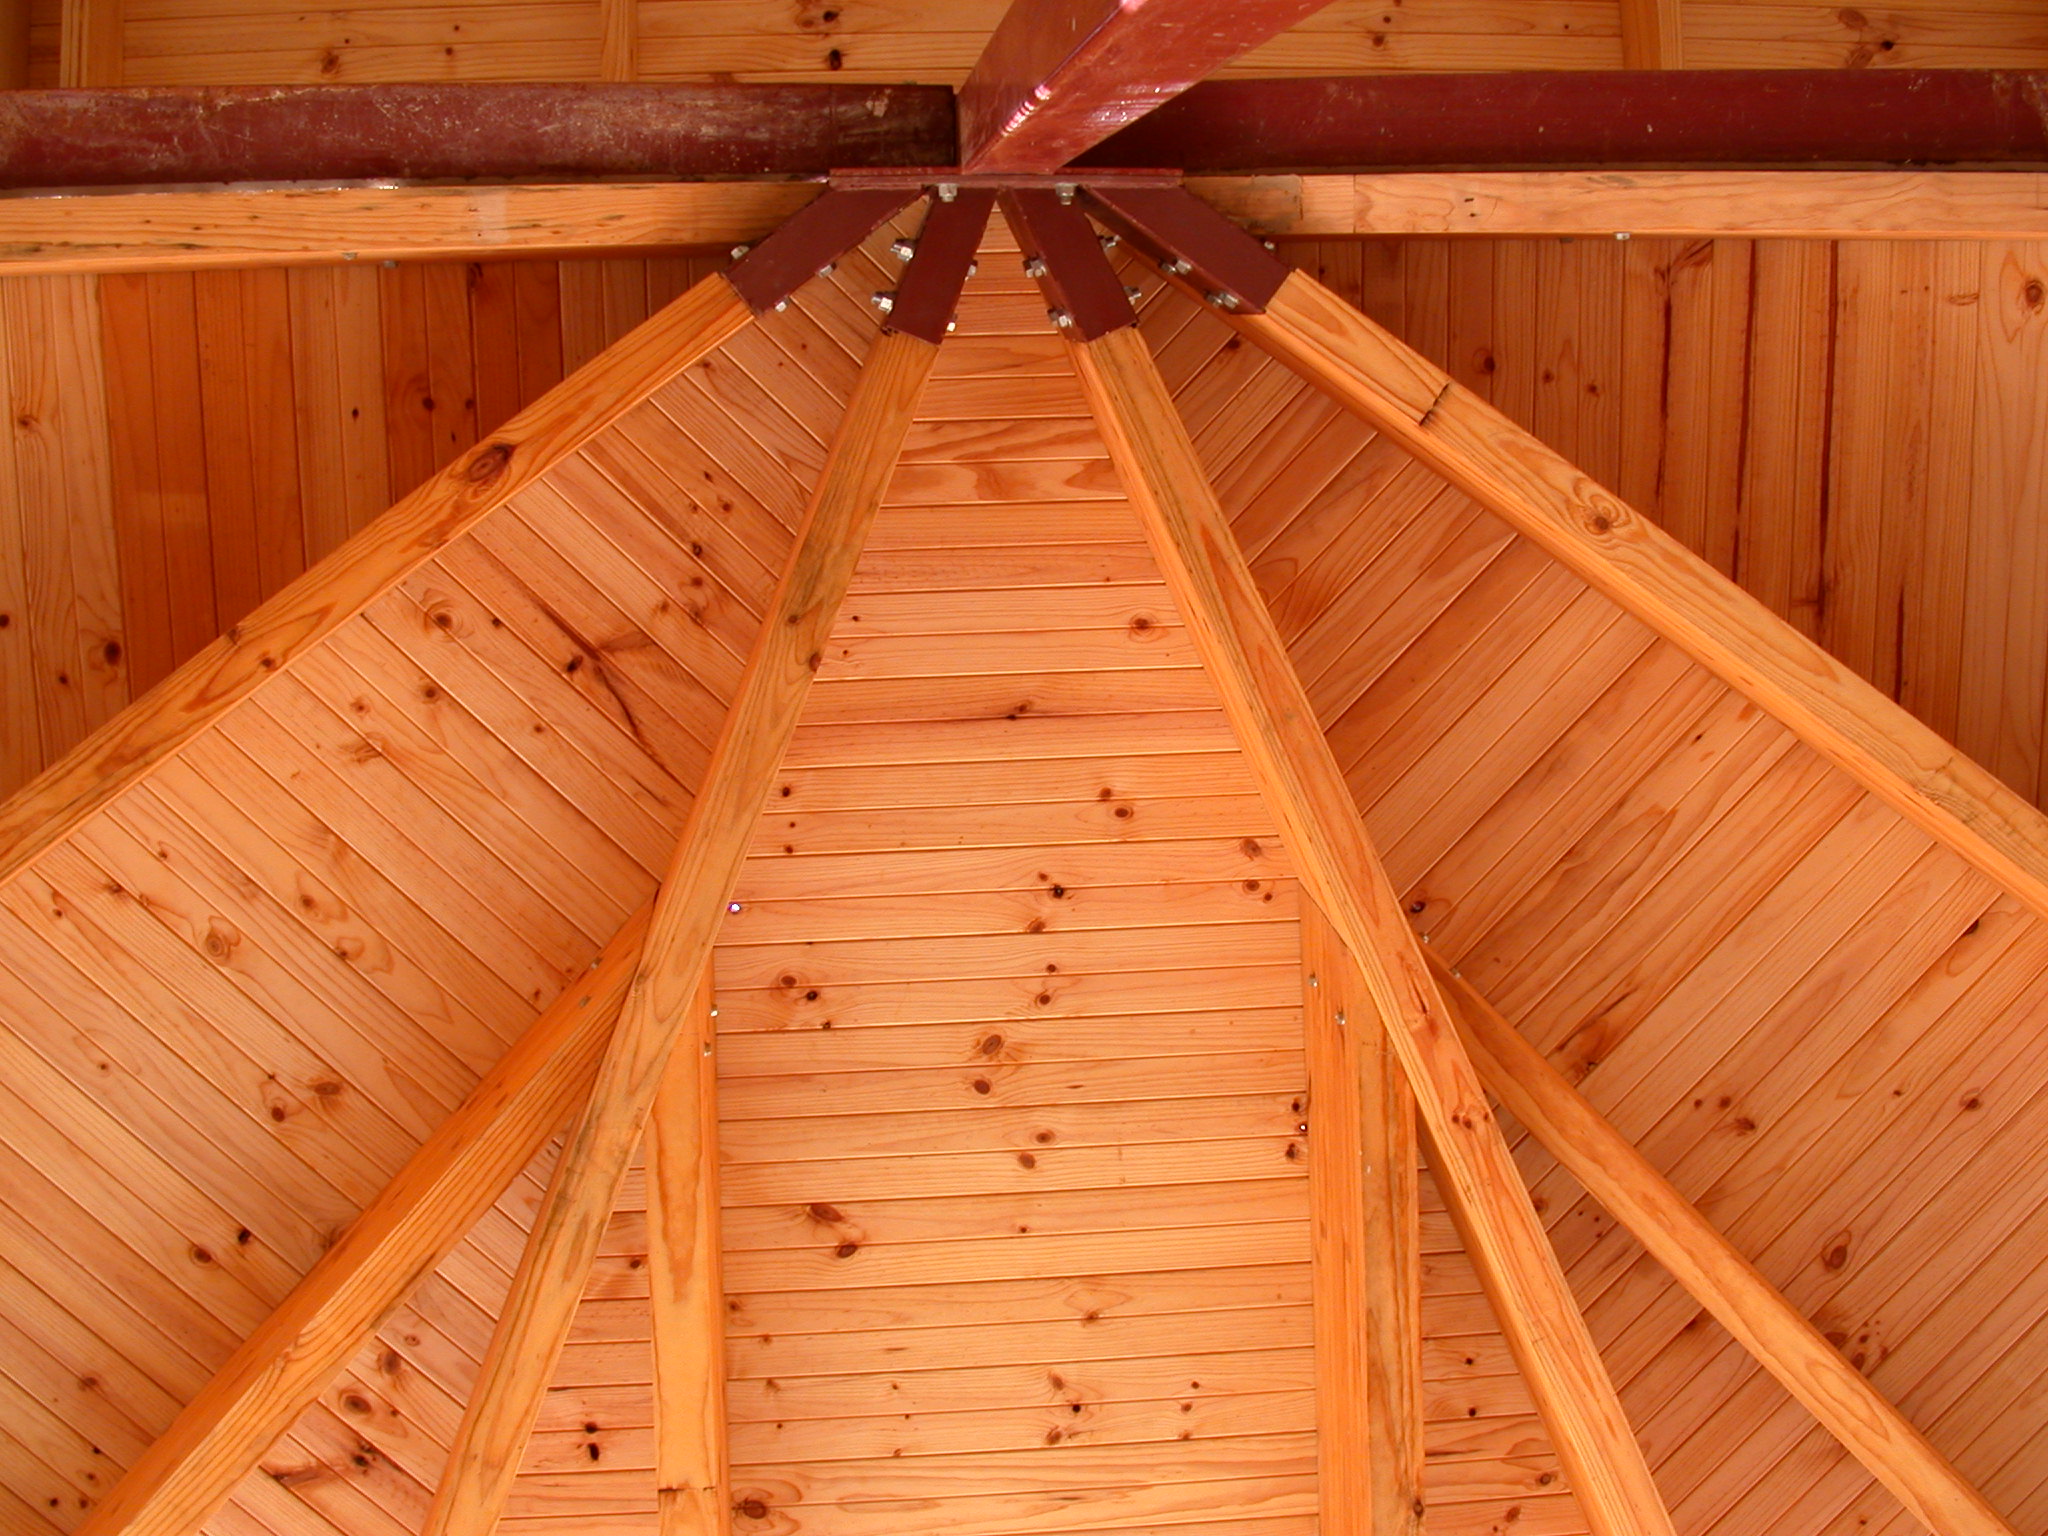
x: 1619, y: 120
x: 332, y: 133
x: 1531, y: 120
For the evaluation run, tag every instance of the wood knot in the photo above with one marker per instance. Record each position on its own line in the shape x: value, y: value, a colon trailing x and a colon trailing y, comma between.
x: 488, y: 464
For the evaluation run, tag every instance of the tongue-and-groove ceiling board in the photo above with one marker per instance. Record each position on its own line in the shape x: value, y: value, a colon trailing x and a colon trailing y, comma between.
x: 1013, y: 884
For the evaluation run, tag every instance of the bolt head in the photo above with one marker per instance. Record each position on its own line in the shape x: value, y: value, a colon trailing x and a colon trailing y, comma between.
x: 1034, y: 266
x: 884, y: 300
x: 947, y: 191
x: 903, y: 250
x: 1060, y: 318
x: 1109, y: 242
x: 740, y: 250
x: 1065, y: 191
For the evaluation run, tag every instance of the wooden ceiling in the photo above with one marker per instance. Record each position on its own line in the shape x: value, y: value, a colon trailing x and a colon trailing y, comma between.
x: 1017, y: 1148
x: 1064, y: 1180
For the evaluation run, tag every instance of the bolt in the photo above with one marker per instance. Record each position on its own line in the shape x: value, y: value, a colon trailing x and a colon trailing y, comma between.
x: 1108, y: 242
x: 903, y: 250
x: 781, y: 305
x: 1034, y: 266
x: 973, y: 267
x: 740, y: 250
x: 1060, y: 318
x: 1223, y: 300
x: 1340, y: 1018
x: 732, y: 906
x: 947, y: 191
x: 1269, y: 245
x: 828, y: 269
x: 1314, y: 981
x: 884, y: 301
x: 1621, y: 234
x: 1175, y: 266
x: 1133, y: 292
x: 952, y: 326
x: 1064, y: 191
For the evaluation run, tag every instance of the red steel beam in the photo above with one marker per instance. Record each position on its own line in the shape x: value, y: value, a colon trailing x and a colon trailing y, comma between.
x: 486, y: 132
x: 1060, y: 76
x: 1835, y: 118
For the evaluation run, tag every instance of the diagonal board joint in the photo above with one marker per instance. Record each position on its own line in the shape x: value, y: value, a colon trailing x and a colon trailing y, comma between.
x: 555, y: 1267
x: 1302, y: 784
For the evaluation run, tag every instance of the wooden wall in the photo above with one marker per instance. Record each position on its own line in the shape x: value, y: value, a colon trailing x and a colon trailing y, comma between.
x: 1853, y: 431
x: 184, y: 444
x: 221, y: 42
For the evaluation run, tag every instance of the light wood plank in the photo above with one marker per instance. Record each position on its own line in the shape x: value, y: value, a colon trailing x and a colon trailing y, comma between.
x: 684, y: 1275
x: 1626, y: 557
x: 1276, y: 727
x: 202, y: 691
x: 1716, y: 1274
x: 186, y: 1474
x: 537, y: 1314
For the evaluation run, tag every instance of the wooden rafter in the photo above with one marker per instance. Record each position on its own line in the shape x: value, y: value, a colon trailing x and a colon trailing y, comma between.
x: 1716, y: 1274
x: 534, y: 1322
x: 1060, y: 76
x: 264, y: 645
x: 684, y: 1282
x: 1366, y: 1252
x: 1305, y: 789
x: 1607, y: 543
x: 192, y: 1468
x: 1651, y: 575
x: 1652, y: 34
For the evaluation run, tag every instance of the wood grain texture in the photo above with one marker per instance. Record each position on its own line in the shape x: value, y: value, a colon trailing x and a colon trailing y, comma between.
x: 231, y: 669
x: 1622, y: 554
x: 1300, y: 778
x: 686, y: 1287
x: 1691, y: 205
x: 287, y: 1362
x: 534, y: 1323
x: 1718, y: 1276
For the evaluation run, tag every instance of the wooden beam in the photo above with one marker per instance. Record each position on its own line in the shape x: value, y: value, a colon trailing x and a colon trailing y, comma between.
x: 534, y: 1322
x: 176, y: 1485
x: 1777, y: 205
x: 1652, y: 34
x: 1715, y: 1274
x: 126, y: 751
x: 1060, y: 76
x: 89, y: 43
x: 1365, y: 1253
x: 692, y: 1480
x: 619, y: 39
x: 1304, y: 788
x: 542, y: 131
x: 317, y: 226
x: 1591, y: 119
x: 14, y: 44
x: 1651, y: 575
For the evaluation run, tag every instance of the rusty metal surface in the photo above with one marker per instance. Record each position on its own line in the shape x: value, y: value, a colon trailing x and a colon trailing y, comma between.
x: 1060, y: 75
x: 1061, y: 249
x: 930, y: 290
x: 1173, y: 225
x: 1833, y: 118
x: 817, y: 233
x: 448, y: 132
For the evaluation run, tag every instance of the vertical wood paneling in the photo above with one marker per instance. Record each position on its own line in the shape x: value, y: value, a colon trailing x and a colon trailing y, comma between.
x: 56, y: 413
